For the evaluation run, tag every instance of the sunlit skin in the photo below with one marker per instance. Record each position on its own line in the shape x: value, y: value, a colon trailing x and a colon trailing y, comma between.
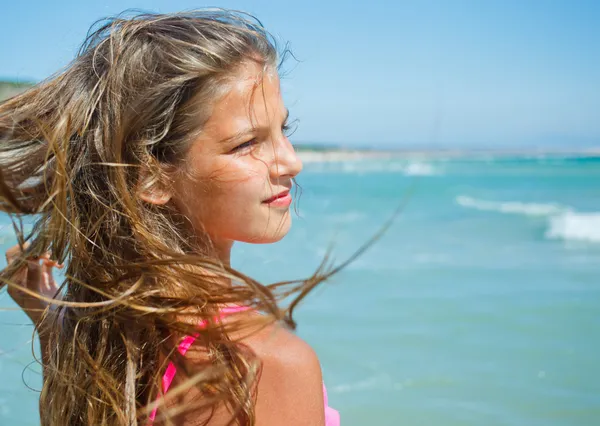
x: 241, y: 159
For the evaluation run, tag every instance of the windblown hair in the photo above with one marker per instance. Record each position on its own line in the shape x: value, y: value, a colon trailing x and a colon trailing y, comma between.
x: 72, y: 150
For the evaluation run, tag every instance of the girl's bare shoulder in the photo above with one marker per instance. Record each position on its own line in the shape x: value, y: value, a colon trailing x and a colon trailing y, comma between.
x: 289, y: 390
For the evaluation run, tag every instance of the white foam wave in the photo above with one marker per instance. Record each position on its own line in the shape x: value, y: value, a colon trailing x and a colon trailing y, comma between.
x: 420, y: 169
x: 338, y: 156
x: 383, y: 382
x: 514, y: 207
x: 377, y: 166
x: 575, y: 226
x: 374, y: 382
x: 563, y: 222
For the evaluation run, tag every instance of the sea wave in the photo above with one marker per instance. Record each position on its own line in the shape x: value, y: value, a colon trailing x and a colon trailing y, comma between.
x: 514, y: 207
x: 575, y: 226
x: 4, y: 408
x: 563, y: 222
x: 384, y: 382
x: 374, y: 382
x: 414, y: 168
x: 340, y: 156
x: 420, y: 169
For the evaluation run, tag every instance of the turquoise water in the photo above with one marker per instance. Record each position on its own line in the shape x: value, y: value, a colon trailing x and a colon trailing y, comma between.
x: 478, y: 307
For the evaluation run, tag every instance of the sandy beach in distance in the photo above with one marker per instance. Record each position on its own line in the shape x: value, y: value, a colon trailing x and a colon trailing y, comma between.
x: 341, y: 155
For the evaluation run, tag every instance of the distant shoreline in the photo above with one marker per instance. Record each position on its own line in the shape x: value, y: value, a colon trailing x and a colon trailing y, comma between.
x: 340, y: 154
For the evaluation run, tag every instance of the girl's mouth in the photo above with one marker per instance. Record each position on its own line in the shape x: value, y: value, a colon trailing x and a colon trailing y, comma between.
x: 283, y: 199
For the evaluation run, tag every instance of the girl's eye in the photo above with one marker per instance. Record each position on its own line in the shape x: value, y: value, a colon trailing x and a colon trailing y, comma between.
x: 245, y: 145
x: 286, y: 128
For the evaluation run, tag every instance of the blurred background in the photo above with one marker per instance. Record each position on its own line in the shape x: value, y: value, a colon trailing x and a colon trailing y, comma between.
x: 480, y: 304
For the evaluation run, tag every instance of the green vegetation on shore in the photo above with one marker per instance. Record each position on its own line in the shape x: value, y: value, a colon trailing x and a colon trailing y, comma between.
x: 11, y: 88
x: 316, y: 147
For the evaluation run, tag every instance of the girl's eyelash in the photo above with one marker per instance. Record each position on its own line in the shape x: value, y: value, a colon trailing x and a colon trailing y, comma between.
x: 246, y: 144
x: 286, y: 127
x: 289, y: 127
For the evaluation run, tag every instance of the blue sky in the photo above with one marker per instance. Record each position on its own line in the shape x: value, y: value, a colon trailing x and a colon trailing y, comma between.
x: 390, y: 73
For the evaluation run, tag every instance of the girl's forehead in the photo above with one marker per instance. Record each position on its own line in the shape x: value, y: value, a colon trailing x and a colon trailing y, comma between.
x: 253, y: 78
x: 252, y: 74
x: 253, y: 100
x: 250, y: 92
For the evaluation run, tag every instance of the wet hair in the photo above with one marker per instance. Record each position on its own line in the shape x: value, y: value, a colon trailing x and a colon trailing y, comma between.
x: 73, y: 149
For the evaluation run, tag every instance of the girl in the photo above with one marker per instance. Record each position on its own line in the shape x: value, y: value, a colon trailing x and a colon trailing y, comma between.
x: 155, y: 150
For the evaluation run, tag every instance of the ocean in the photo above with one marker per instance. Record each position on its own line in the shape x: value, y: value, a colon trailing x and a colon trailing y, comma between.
x: 479, y: 305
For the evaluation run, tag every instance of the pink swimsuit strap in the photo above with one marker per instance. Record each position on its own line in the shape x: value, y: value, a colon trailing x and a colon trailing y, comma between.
x: 332, y: 417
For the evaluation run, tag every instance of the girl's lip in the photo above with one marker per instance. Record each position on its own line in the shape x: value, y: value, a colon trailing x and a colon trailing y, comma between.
x: 282, y: 199
x: 275, y: 197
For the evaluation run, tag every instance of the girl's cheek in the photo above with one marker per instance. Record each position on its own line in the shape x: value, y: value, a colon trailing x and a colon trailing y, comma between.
x: 249, y: 173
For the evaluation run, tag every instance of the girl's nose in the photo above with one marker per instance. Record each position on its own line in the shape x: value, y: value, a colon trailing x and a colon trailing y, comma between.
x: 286, y: 161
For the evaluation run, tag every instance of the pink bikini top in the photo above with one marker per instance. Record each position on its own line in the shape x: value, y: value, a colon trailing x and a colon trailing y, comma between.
x: 332, y: 417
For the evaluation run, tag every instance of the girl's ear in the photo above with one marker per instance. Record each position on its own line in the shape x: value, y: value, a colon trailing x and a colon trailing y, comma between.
x: 155, y: 196
x: 154, y: 188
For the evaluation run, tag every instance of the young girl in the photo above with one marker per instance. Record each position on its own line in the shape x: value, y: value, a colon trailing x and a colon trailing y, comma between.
x: 155, y: 150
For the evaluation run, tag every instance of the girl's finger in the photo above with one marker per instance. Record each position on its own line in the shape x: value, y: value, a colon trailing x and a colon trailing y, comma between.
x: 34, y: 274
x: 46, y: 276
x: 49, y: 283
x: 53, y: 264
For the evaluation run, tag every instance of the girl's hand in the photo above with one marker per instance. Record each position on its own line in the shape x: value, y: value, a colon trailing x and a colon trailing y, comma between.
x: 35, y: 277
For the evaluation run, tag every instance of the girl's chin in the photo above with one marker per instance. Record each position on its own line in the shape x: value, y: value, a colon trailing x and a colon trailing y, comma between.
x: 272, y: 235
x: 266, y: 239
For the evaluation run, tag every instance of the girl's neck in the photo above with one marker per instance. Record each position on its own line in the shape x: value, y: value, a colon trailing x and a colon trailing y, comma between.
x: 218, y: 249
x: 223, y: 252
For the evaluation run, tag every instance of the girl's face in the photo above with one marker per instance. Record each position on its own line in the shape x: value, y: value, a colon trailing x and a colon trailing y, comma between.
x: 240, y: 162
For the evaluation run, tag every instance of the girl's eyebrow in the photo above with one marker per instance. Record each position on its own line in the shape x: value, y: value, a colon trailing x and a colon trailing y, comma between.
x: 238, y: 135
x: 250, y: 130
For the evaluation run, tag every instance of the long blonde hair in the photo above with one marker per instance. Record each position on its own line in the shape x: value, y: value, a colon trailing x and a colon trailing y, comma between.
x: 72, y: 149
